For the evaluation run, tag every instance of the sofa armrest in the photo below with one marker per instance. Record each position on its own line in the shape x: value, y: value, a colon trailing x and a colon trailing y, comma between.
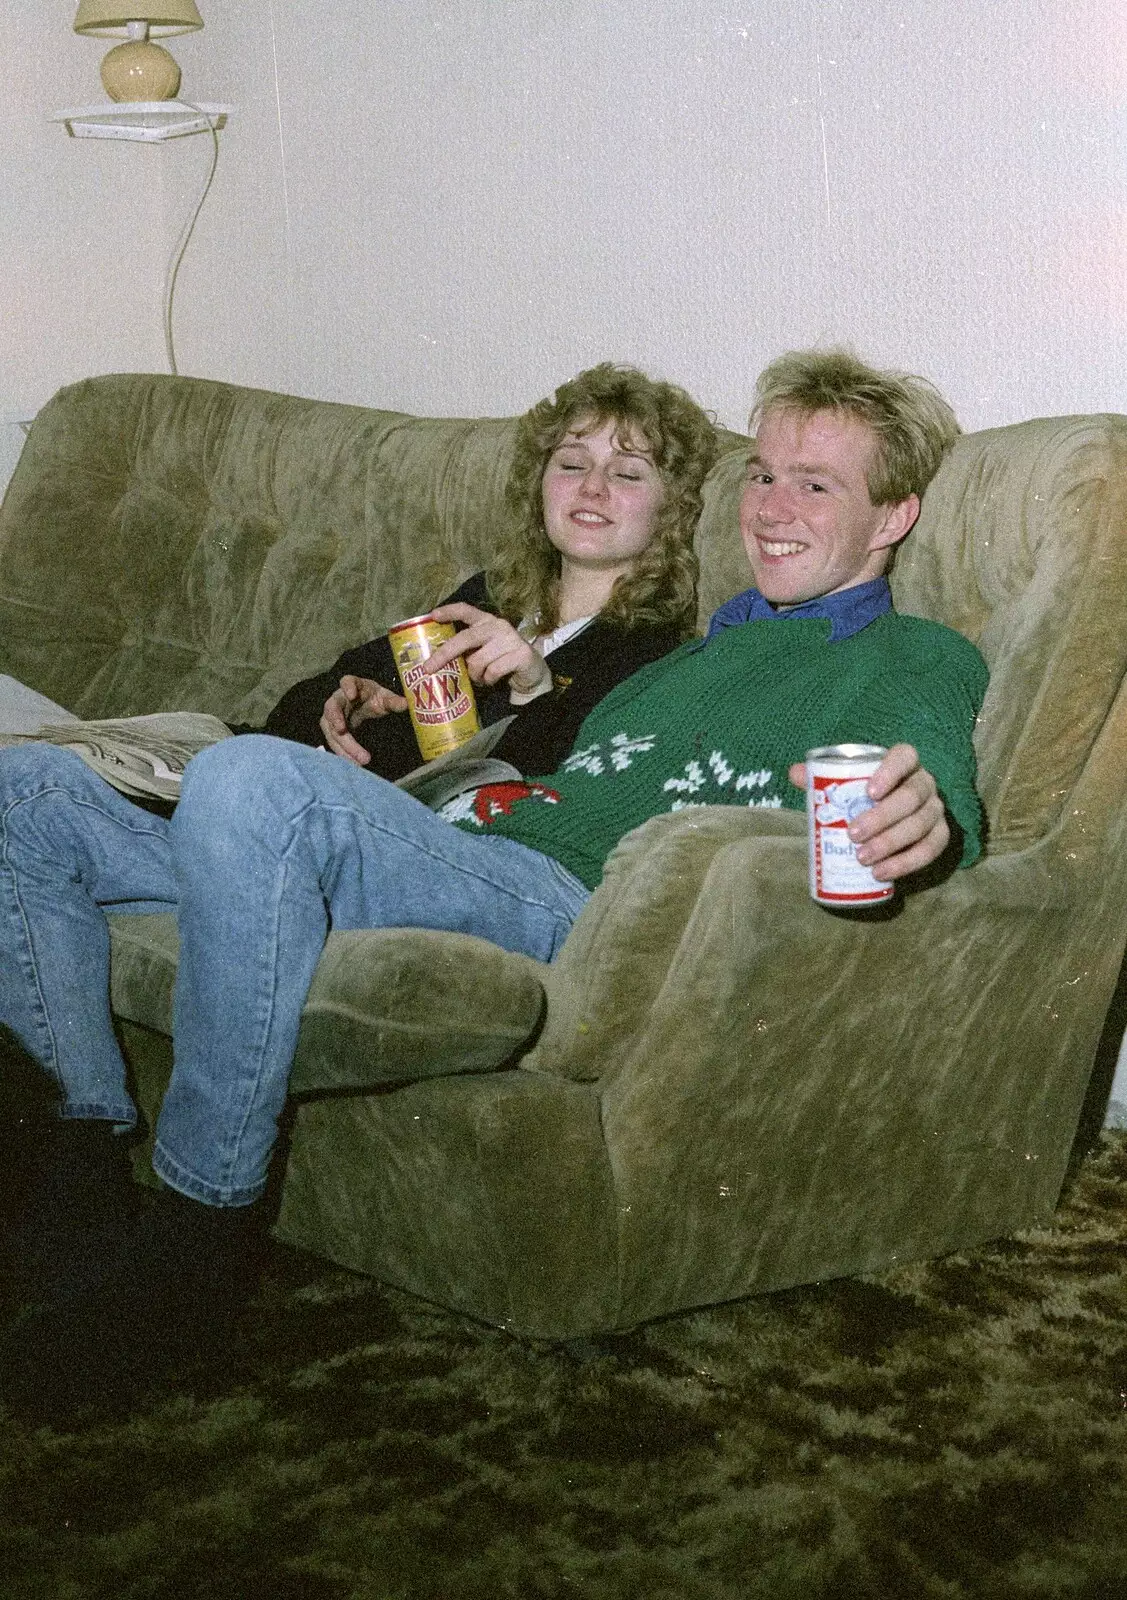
x: 393, y: 1005
x: 812, y: 1093
x: 629, y: 934
x: 387, y: 1005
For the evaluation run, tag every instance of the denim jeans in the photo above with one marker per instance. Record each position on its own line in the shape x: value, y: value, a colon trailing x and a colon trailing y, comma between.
x: 271, y: 845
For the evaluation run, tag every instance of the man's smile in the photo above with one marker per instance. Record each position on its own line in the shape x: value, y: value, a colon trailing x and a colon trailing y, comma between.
x: 779, y: 547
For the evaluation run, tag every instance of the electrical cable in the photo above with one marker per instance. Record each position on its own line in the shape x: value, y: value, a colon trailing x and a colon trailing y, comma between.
x: 182, y: 243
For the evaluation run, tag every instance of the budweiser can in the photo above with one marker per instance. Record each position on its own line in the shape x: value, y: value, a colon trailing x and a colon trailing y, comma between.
x: 836, y: 791
x: 443, y: 712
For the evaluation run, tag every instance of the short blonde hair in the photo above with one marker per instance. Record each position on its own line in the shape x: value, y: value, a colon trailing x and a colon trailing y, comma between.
x: 913, y: 424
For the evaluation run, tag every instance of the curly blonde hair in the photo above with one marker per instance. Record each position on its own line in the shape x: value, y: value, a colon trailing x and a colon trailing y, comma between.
x: 660, y: 586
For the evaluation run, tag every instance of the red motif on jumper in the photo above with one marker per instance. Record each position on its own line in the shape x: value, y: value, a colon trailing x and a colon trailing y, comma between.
x: 495, y: 800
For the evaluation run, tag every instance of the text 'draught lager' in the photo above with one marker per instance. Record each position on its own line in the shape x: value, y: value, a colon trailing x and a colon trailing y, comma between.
x: 836, y: 792
x: 441, y: 704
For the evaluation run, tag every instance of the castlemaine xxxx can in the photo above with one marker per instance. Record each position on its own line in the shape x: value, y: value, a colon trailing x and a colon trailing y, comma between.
x: 836, y: 778
x: 442, y: 707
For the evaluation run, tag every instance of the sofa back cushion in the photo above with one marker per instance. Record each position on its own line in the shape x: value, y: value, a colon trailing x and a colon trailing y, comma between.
x: 176, y: 543
x: 1022, y: 546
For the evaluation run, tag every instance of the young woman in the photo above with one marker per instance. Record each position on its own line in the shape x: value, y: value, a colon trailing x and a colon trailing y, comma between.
x: 597, y: 579
x: 594, y: 578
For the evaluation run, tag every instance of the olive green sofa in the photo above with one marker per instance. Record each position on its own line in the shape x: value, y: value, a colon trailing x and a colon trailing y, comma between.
x: 719, y: 1087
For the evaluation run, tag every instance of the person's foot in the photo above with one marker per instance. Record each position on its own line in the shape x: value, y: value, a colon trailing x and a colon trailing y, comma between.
x: 77, y: 1202
x: 29, y: 1100
x: 164, y: 1299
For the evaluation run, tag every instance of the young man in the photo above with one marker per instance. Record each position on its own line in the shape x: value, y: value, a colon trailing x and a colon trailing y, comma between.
x: 272, y: 843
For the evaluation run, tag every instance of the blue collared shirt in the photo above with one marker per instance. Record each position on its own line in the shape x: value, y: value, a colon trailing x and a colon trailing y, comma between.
x: 847, y: 611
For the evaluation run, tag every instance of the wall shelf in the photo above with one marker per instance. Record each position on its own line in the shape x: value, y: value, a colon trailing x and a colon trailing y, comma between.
x: 148, y: 120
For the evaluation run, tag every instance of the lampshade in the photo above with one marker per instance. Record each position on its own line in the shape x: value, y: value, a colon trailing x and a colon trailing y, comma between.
x: 138, y: 70
x: 110, y: 19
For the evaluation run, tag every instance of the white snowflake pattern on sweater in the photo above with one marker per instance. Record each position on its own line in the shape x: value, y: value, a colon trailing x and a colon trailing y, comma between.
x: 620, y: 752
x: 701, y: 784
x: 719, y: 775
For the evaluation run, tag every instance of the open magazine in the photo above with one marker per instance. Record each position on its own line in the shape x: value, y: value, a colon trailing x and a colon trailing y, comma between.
x: 146, y: 756
x: 467, y: 767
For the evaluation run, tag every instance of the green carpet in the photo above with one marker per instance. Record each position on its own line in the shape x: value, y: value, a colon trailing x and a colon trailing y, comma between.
x: 943, y: 1430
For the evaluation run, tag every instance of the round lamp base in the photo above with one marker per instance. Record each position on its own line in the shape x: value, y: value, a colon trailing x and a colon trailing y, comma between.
x: 140, y: 70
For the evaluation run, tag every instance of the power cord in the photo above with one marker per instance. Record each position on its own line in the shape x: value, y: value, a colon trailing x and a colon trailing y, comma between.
x: 182, y: 243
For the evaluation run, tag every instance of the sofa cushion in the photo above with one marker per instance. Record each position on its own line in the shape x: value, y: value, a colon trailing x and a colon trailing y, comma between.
x: 1019, y: 528
x: 385, y: 1006
x: 178, y: 544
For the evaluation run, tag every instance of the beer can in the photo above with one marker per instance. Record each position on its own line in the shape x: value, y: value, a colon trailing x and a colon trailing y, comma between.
x: 441, y: 704
x: 836, y: 791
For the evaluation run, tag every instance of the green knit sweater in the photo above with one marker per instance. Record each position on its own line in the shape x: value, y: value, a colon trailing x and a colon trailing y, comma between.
x: 720, y: 723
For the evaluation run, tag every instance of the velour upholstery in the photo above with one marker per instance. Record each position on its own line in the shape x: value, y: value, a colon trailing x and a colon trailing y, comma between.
x: 718, y: 1087
x: 371, y: 1017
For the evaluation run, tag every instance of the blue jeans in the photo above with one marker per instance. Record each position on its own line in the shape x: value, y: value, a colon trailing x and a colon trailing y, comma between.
x: 271, y: 845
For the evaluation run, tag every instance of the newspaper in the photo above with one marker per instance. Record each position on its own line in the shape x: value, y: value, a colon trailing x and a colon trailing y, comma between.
x: 146, y: 756
x: 143, y: 756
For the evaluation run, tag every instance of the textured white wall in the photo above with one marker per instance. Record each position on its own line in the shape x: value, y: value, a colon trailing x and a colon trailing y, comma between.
x: 448, y: 205
x: 80, y: 241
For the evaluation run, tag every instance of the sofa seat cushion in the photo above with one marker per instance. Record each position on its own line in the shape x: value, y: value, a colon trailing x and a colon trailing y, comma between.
x: 385, y: 1006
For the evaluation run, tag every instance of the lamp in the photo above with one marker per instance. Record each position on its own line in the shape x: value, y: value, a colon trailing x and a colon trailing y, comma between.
x: 138, y: 69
